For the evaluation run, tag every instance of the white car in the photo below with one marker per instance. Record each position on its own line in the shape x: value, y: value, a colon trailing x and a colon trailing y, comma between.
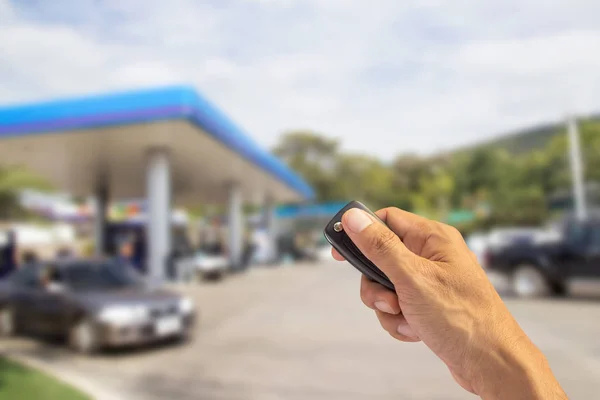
x: 500, y: 237
x: 211, y: 267
x: 478, y: 243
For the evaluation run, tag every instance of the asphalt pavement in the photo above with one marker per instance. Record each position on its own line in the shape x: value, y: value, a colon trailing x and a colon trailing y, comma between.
x: 301, y: 332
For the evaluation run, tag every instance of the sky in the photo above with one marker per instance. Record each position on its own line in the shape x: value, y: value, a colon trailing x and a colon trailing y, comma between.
x: 386, y: 77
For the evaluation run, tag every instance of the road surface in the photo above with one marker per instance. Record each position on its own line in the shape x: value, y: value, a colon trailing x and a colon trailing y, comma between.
x: 302, y: 333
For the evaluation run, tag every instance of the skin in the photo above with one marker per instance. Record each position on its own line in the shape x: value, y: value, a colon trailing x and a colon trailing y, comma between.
x: 126, y: 250
x: 444, y: 299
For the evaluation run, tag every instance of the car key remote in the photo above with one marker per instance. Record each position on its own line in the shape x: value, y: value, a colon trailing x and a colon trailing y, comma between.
x: 335, y: 235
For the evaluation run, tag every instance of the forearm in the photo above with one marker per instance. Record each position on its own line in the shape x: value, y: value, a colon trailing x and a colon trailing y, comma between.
x: 516, y: 370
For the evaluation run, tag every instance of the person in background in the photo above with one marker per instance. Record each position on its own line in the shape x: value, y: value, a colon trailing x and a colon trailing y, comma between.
x: 248, y: 249
x: 9, y: 255
x: 125, y: 254
x: 138, y: 251
x: 50, y: 279
x: 263, y: 251
x: 29, y: 258
x: 64, y: 253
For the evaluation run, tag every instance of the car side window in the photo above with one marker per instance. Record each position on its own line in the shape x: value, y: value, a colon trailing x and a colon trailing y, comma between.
x: 594, y: 237
x: 26, y: 277
x: 53, y: 274
x: 576, y: 235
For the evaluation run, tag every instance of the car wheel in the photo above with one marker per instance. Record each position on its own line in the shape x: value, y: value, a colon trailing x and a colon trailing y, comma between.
x: 529, y: 282
x: 83, y: 337
x: 560, y: 290
x: 7, y: 323
x: 184, y: 337
x: 213, y: 276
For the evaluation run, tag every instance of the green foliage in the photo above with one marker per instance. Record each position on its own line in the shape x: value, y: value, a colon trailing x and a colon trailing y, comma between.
x: 510, y: 178
x: 12, y: 181
x: 20, y: 382
x: 362, y: 177
x: 524, y: 141
x: 314, y: 157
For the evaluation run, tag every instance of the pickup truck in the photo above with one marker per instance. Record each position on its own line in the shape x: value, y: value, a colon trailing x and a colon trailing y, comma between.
x: 537, y: 269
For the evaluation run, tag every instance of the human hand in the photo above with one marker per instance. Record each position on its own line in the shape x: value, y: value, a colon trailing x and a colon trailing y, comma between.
x: 444, y: 298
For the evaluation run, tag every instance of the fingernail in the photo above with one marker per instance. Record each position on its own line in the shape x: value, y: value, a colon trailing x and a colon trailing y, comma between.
x: 357, y: 220
x: 384, y: 307
x: 406, y: 330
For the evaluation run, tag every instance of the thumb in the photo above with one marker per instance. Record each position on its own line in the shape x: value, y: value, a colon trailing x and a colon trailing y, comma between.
x: 378, y: 243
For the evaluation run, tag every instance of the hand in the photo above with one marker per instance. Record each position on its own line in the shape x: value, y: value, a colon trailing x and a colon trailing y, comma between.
x: 444, y: 298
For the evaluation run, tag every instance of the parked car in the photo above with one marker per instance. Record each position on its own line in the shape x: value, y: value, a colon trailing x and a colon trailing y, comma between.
x: 506, y: 236
x: 549, y: 264
x: 478, y: 243
x: 211, y: 266
x: 93, y: 304
x: 322, y: 249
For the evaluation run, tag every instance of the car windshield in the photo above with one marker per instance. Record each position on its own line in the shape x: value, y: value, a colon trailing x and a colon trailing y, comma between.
x: 101, y: 276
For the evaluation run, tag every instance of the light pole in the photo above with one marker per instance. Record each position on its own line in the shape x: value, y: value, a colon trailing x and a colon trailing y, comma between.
x: 577, y: 169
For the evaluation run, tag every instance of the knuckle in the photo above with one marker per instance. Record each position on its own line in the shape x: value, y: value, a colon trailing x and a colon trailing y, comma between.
x: 424, y: 227
x: 403, y: 338
x: 453, y: 231
x: 441, y: 233
x: 441, y: 228
x: 450, y: 233
x: 392, y: 210
x: 368, y: 293
x: 427, y: 229
x: 385, y: 323
x: 384, y: 241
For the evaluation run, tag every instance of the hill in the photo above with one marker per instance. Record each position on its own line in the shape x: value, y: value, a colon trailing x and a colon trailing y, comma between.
x: 529, y: 139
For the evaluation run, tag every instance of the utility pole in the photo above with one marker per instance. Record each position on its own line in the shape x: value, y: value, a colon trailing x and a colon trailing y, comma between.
x: 577, y: 171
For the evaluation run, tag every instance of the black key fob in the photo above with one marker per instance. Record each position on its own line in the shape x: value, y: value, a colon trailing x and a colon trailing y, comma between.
x: 335, y: 235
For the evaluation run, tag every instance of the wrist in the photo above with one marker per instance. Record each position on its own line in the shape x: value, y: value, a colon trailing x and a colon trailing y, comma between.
x: 514, y: 368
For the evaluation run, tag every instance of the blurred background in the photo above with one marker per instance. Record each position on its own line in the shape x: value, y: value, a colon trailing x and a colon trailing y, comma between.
x: 167, y: 168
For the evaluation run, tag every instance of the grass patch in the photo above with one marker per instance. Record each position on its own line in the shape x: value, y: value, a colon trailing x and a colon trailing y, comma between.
x: 20, y: 382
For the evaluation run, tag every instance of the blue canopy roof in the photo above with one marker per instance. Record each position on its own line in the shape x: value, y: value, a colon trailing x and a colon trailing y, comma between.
x: 309, y: 210
x: 166, y: 103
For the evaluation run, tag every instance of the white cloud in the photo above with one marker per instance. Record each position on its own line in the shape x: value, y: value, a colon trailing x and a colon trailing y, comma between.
x: 387, y: 76
x: 147, y: 74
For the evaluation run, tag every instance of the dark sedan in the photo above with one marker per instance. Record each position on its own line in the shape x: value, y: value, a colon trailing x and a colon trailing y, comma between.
x: 93, y: 303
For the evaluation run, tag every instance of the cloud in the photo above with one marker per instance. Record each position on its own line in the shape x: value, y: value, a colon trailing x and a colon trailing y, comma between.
x: 386, y: 76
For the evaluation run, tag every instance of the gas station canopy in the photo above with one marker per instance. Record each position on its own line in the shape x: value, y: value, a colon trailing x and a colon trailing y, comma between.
x: 75, y: 143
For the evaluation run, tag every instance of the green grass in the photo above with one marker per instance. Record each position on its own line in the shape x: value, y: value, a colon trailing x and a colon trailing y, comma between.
x: 19, y: 382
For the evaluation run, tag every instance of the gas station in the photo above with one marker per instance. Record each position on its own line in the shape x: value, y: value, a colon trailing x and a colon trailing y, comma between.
x: 169, y: 145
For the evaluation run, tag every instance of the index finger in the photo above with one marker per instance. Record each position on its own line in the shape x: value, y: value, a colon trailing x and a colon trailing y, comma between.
x: 337, y: 256
x: 404, y: 223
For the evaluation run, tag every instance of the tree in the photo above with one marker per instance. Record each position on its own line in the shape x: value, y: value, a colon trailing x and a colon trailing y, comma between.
x: 314, y: 157
x: 437, y: 187
x: 484, y: 168
x: 590, y: 139
x: 512, y: 186
x: 12, y: 181
x: 525, y: 206
x: 408, y: 171
x: 364, y: 178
